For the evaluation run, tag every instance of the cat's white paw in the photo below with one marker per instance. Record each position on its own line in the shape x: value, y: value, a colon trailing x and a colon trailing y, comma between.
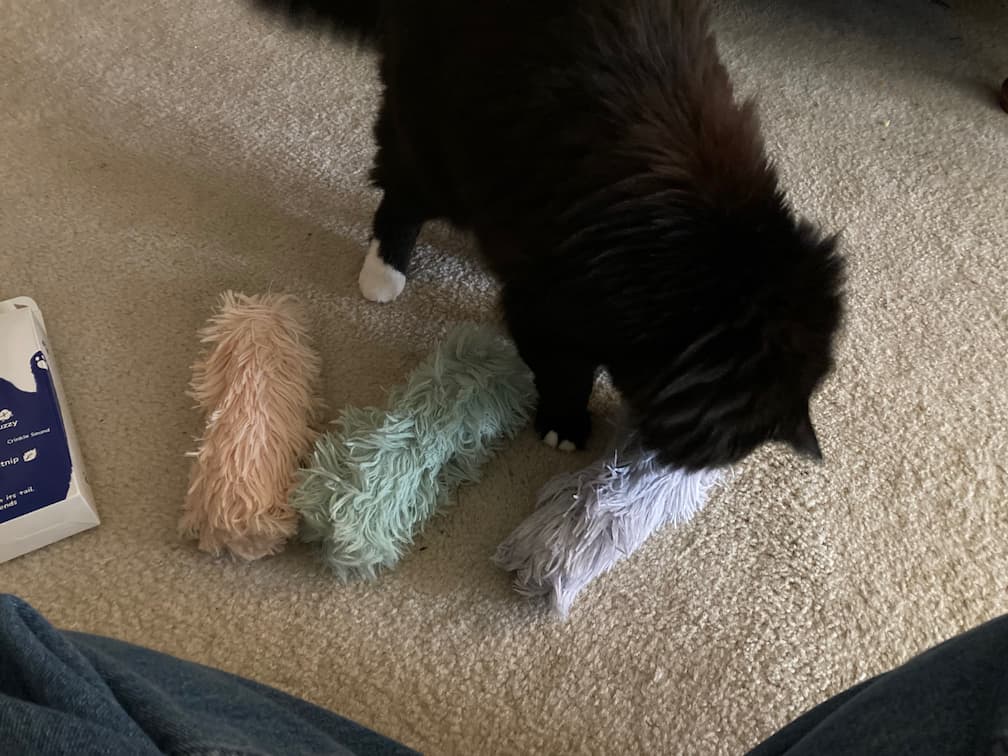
x: 552, y: 440
x: 379, y: 281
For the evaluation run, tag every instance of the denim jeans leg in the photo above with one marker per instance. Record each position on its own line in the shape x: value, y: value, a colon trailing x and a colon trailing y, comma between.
x: 951, y: 699
x: 70, y: 693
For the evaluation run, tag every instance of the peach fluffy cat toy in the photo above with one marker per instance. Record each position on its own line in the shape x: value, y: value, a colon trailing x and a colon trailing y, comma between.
x: 256, y: 386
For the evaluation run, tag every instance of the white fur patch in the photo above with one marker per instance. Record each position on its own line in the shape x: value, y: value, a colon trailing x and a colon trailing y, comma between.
x: 552, y: 440
x: 379, y: 281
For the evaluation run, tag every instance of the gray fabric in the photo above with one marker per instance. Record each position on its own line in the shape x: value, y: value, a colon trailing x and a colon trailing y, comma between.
x: 588, y: 520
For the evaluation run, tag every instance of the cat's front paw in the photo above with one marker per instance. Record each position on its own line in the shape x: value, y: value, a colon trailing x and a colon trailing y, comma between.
x: 379, y: 281
x: 563, y: 430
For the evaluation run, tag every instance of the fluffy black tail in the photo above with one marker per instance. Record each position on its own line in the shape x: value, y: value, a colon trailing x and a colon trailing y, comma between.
x: 359, y: 19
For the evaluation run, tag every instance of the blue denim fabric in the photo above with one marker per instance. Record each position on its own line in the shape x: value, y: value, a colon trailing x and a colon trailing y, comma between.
x: 69, y: 693
x: 949, y: 700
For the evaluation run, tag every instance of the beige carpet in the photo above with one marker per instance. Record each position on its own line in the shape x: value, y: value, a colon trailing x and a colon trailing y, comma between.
x: 153, y: 154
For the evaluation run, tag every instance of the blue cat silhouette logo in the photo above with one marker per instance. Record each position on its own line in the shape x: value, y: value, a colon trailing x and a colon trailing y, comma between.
x: 35, y: 465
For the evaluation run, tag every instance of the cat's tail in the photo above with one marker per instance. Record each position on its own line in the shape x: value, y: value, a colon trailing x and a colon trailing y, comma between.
x: 360, y: 20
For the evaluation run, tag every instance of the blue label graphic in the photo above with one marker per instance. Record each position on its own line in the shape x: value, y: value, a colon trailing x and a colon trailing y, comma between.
x: 34, y: 456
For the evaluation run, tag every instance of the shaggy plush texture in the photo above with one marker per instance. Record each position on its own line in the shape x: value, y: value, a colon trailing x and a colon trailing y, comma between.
x: 256, y: 386
x: 371, y: 485
x: 588, y: 520
x: 155, y: 154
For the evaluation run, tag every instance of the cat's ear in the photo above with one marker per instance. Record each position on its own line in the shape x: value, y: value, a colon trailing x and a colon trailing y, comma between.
x: 802, y: 438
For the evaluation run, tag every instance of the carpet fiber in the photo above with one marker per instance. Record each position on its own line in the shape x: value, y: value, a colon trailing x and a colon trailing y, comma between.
x: 154, y: 154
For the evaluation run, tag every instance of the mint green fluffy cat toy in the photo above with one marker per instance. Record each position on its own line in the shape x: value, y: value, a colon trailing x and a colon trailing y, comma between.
x: 373, y: 482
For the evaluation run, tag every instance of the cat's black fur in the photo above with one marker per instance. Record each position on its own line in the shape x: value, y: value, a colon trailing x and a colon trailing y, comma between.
x: 624, y: 198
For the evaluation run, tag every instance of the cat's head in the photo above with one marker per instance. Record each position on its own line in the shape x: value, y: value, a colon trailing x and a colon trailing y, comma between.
x: 745, y: 378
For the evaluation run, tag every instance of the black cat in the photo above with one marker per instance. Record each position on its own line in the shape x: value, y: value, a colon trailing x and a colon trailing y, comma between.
x: 35, y: 462
x: 624, y: 198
